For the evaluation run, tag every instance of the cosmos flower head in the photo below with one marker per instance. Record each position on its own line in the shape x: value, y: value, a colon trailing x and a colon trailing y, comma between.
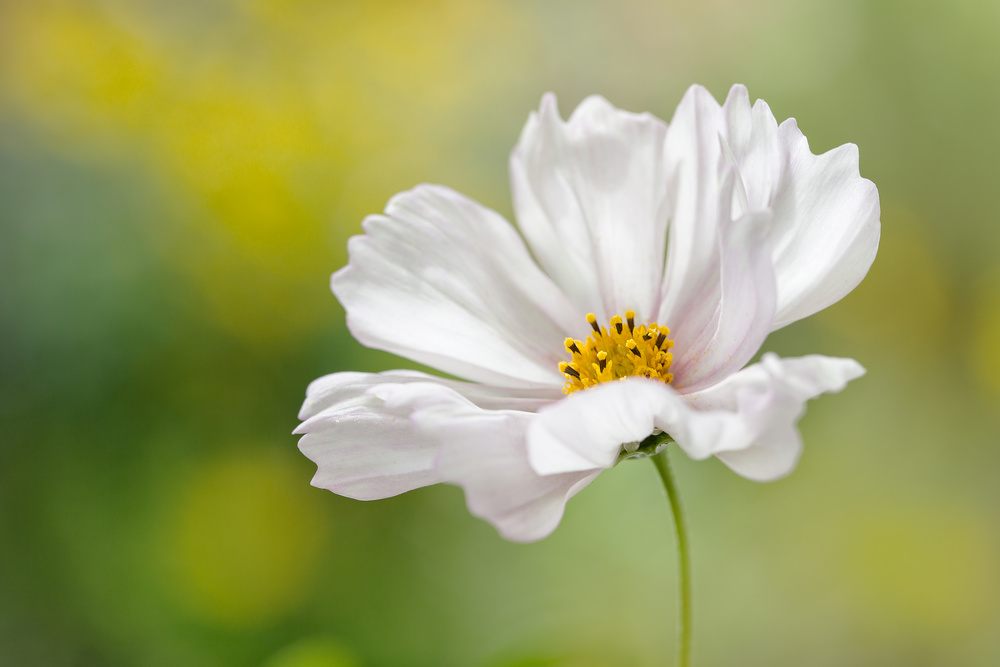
x: 648, y: 265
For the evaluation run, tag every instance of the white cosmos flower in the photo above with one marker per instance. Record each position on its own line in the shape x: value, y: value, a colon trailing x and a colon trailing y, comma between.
x: 722, y: 226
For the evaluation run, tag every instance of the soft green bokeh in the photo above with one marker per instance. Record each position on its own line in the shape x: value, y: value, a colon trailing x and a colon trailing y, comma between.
x: 177, y: 182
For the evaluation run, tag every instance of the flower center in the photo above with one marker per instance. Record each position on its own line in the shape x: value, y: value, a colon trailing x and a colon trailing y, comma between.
x: 618, y: 351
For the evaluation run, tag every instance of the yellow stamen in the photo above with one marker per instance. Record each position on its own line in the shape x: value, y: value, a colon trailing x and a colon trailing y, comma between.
x: 615, y: 352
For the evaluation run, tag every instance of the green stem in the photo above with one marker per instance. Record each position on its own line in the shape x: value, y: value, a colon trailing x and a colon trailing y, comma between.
x: 662, y: 464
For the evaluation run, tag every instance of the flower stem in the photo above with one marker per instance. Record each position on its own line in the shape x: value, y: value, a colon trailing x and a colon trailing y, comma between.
x: 662, y: 463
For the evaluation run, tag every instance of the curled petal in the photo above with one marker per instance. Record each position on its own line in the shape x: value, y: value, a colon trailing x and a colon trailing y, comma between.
x: 825, y: 228
x: 690, y: 289
x: 750, y: 139
x: 826, y: 216
x: 744, y: 310
x: 587, y: 429
x: 748, y: 421
x: 719, y: 288
x: 770, y: 398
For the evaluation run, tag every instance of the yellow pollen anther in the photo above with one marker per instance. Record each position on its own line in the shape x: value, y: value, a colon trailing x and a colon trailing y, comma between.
x: 614, y: 353
x: 616, y: 322
x: 571, y: 345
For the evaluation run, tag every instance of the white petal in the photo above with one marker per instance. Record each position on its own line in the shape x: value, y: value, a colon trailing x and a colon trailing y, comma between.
x: 366, y: 452
x: 748, y: 421
x: 446, y: 282
x: 345, y: 389
x: 365, y: 444
x: 587, y: 429
x: 826, y: 229
x: 744, y: 310
x: 694, y: 156
x: 719, y: 291
x: 484, y: 452
x: 751, y: 135
x: 591, y: 199
x: 769, y: 398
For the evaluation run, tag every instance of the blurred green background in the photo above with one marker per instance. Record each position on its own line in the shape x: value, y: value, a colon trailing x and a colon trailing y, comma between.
x: 177, y: 182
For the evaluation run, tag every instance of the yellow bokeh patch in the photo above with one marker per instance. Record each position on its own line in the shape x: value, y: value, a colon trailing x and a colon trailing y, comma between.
x: 75, y: 69
x: 314, y: 652
x: 929, y: 574
x: 906, y: 302
x: 984, y: 352
x: 243, y: 539
x: 258, y: 125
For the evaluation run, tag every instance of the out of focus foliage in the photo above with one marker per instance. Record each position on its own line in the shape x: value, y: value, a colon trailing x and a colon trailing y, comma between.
x: 177, y: 181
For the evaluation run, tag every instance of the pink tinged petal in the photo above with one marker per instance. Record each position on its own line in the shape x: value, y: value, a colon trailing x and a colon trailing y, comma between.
x: 744, y: 307
x: 446, y: 282
x: 484, y: 452
x: 591, y: 199
x: 720, y: 290
x: 826, y: 229
x: 769, y: 399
